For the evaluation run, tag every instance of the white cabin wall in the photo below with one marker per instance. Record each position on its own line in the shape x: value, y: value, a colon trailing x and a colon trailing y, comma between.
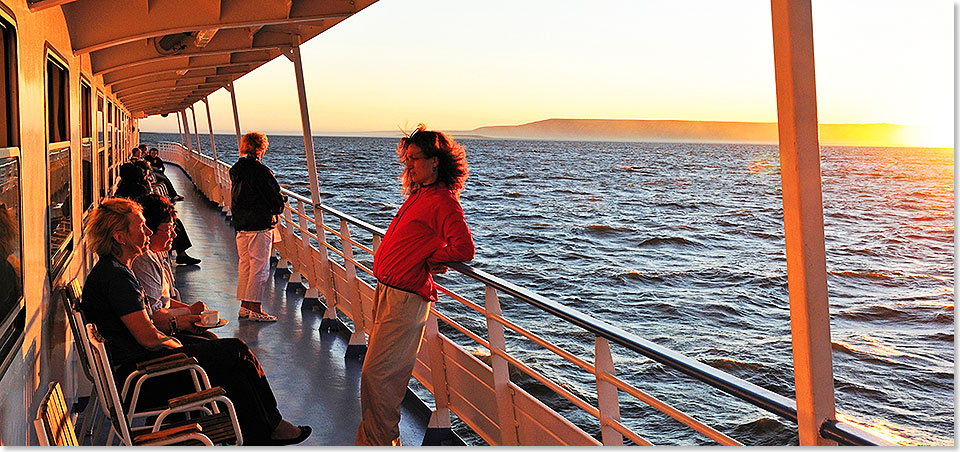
x: 47, y: 353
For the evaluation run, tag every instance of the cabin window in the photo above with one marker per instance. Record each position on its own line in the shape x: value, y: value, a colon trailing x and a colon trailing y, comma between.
x: 110, y: 143
x: 12, y: 310
x: 86, y: 144
x: 59, y: 193
x: 101, y: 155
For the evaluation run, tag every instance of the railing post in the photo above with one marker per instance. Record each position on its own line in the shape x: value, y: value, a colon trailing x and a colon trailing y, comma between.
x: 213, y: 149
x: 236, y: 118
x: 358, y: 340
x: 303, y: 251
x: 509, y: 430
x: 607, y: 398
x: 803, y: 217
x: 438, y: 428
x: 287, y: 236
x: 296, y: 260
x: 325, y: 275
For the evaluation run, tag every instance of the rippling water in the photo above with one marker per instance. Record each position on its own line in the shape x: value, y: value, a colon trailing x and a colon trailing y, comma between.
x: 683, y: 245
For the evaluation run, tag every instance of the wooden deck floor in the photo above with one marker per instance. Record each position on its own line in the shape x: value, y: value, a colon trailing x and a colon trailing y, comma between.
x: 313, y: 382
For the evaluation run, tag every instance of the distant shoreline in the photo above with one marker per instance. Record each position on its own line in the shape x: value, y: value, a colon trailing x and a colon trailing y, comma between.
x: 671, y: 131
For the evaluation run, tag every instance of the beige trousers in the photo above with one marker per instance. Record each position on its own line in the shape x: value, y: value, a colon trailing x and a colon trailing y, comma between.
x: 398, y: 321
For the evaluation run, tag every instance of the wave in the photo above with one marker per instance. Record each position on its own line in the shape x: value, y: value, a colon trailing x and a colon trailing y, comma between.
x: 728, y: 364
x: 514, y: 195
x: 603, y: 228
x: 668, y: 241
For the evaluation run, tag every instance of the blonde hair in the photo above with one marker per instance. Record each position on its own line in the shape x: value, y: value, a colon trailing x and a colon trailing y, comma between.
x: 254, y: 144
x: 110, y: 216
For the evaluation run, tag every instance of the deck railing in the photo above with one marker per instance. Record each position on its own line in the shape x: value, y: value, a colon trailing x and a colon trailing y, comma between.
x: 483, y: 395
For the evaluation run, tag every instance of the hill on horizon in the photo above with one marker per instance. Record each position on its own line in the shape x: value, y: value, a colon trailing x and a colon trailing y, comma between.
x: 691, y: 131
x: 675, y: 131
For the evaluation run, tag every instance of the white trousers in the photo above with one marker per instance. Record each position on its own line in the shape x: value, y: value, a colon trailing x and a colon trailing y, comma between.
x: 254, y: 248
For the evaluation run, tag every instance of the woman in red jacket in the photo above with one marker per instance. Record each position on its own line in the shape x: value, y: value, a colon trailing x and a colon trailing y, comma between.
x: 428, y: 230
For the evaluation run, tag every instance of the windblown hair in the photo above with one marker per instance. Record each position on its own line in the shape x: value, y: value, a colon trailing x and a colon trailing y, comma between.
x: 108, y: 218
x: 254, y: 144
x: 156, y: 209
x: 452, y: 168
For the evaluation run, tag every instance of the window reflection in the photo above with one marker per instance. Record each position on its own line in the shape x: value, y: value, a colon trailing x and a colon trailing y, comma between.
x: 59, y: 202
x: 10, y: 267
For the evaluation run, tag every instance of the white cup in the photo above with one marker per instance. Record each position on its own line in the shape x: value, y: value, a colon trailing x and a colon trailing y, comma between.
x: 209, y: 318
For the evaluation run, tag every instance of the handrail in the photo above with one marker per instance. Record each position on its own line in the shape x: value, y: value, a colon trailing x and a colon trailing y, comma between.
x: 727, y: 383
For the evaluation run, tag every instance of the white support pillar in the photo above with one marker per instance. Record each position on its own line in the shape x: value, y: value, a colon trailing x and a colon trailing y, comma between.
x: 213, y: 149
x: 236, y: 118
x: 186, y: 128
x: 196, y: 130
x: 180, y: 128
x: 803, y: 216
x: 294, y: 55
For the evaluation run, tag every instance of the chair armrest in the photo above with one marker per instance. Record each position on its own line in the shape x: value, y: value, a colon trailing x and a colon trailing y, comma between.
x: 174, y: 431
x: 195, y: 397
x: 165, y: 362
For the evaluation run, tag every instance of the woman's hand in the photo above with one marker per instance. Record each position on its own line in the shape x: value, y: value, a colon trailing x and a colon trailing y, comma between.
x: 145, y: 333
x: 188, y: 323
x: 197, y: 308
x: 436, y: 269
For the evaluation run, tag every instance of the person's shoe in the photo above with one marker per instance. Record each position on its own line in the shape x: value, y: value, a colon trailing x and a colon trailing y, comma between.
x: 305, y: 432
x: 244, y: 313
x: 176, y: 198
x: 261, y: 317
x: 184, y: 259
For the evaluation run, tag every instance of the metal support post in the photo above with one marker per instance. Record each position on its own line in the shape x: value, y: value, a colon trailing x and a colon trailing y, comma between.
x: 213, y: 149
x: 236, y: 119
x: 196, y: 130
x: 803, y: 216
x: 186, y: 128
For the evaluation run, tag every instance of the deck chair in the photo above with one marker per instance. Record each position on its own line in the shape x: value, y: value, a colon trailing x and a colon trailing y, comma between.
x: 221, y: 427
x: 54, y: 427
x: 160, y: 366
x: 71, y: 303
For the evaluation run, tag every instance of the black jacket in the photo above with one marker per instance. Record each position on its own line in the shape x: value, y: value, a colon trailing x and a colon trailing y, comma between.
x: 255, y: 196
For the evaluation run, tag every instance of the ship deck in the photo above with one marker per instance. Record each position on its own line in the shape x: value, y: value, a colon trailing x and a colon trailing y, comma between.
x: 312, y: 380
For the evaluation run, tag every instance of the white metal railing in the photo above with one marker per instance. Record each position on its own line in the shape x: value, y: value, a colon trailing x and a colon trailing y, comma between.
x: 482, y: 394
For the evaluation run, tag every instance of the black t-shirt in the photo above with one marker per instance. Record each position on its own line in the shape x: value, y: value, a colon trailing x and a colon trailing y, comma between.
x: 110, y: 292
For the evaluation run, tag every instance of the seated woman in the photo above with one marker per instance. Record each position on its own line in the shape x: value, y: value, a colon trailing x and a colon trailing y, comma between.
x: 113, y: 300
x: 156, y: 277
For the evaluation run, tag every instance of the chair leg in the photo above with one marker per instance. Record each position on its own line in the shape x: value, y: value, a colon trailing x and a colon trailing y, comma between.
x: 88, y: 414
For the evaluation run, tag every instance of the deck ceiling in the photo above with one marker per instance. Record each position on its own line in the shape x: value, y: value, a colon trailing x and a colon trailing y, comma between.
x: 161, y: 56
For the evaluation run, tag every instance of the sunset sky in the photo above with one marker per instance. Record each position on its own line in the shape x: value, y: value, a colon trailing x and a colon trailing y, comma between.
x: 458, y: 65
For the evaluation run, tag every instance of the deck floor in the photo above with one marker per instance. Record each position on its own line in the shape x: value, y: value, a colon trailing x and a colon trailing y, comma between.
x: 313, y: 382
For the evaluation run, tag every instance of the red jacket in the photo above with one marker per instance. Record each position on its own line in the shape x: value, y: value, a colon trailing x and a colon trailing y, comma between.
x: 428, y: 229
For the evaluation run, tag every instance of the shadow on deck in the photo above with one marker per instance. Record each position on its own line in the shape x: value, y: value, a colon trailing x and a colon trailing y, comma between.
x: 313, y: 382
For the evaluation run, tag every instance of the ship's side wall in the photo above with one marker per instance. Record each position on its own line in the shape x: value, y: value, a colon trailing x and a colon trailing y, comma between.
x: 47, y: 353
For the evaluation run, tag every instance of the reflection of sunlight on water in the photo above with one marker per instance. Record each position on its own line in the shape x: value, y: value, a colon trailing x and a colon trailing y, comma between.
x: 878, y: 349
x: 878, y: 430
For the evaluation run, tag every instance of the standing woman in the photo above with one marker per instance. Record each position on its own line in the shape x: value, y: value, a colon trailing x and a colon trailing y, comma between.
x: 428, y: 230
x: 256, y: 207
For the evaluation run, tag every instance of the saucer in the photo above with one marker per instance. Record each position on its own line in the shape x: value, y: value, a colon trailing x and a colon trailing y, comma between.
x: 222, y: 322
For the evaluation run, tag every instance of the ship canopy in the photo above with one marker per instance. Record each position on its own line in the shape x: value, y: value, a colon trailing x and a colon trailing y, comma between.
x: 162, y: 56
